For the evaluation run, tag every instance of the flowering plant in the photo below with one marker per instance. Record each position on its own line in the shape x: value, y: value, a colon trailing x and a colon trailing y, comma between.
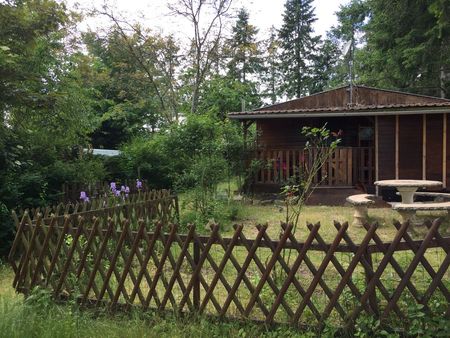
x: 84, y: 197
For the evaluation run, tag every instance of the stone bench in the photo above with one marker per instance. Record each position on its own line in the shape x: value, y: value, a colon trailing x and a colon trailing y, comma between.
x: 409, y: 211
x: 436, y: 195
x: 360, y: 202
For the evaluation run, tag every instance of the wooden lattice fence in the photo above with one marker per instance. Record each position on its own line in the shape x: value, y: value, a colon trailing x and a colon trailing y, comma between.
x: 154, y: 205
x: 281, y: 280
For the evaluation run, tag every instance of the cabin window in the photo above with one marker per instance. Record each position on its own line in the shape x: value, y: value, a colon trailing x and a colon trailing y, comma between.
x: 365, y: 136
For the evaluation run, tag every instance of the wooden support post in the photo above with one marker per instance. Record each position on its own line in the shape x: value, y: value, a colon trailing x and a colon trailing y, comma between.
x: 377, y: 189
x: 424, y: 147
x: 368, y: 275
x: 396, y: 146
x: 196, y: 286
x: 444, y: 151
x: 245, y: 126
x: 177, y: 208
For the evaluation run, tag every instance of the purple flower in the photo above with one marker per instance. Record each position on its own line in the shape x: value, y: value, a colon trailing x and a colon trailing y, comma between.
x: 113, y: 186
x: 127, y: 190
x: 138, y: 184
x: 122, y: 188
x: 84, y: 197
x: 117, y: 192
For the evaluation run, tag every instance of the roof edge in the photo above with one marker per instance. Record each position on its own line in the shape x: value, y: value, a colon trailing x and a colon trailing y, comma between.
x: 340, y: 113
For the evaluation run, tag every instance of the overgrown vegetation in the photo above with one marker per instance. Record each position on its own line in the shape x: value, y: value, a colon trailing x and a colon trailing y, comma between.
x: 164, y: 103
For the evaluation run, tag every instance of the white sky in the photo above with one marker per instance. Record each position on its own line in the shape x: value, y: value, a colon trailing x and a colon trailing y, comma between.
x: 155, y: 14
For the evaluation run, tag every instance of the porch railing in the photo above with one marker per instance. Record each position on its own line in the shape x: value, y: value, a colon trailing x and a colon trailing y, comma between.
x: 347, y: 166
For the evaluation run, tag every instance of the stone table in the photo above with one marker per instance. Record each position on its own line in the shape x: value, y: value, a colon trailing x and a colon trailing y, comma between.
x: 407, y: 188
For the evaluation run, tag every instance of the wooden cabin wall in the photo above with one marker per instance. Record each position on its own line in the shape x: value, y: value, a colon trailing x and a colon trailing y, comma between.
x: 447, y: 151
x: 434, y: 130
x: 411, y: 146
x: 286, y: 133
x: 386, y: 147
x: 279, y: 133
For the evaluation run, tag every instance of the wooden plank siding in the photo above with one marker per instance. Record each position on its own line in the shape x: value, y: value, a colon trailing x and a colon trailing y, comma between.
x: 420, y: 148
x: 446, y: 168
x: 386, y: 147
x: 410, y: 147
x: 434, y: 129
x: 284, y: 133
x: 340, y: 97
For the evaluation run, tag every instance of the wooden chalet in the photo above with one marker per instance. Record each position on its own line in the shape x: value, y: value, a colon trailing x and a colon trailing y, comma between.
x: 386, y: 134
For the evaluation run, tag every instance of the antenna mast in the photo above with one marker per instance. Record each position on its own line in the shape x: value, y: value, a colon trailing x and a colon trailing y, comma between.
x: 348, y: 49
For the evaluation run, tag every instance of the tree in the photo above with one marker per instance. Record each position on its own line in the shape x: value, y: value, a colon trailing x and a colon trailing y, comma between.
x: 298, y: 46
x: 129, y: 101
x: 46, y: 113
x: 349, y: 31
x: 207, y: 35
x: 408, y: 46
x: 271, y: 75
x: 154, y: 56
x: 325, y: 62
x: 221, y: 95
x: 245, y: 55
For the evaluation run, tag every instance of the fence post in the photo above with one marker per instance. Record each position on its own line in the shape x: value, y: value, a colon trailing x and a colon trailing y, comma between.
x: 177, y: 208
x: 373, y: 302
x: 196, y: 286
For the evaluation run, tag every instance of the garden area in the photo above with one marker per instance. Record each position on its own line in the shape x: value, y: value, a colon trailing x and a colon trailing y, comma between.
x: 101, y: 263
x: 128, y: 196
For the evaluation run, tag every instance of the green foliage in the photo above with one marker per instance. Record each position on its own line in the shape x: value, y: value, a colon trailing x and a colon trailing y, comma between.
x: 271, y: 70
x: 322, y: 142
x: 298, y: 46
x: 407, y: 46
x: 129, y: 77
x: 6, y: 230
x: 196, y: 153
x: 224, y: 94
x: 46, y: 113
x: 245, y: 54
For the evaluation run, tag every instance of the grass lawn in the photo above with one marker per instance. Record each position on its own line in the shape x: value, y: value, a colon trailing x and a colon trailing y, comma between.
x: 250, y: 215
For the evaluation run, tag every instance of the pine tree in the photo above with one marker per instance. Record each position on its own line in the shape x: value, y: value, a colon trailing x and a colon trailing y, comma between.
x: 325, y: 65
x: 408, y: 46
x: 298, y: 45
x: 271, y: 76
x: 245, y: 55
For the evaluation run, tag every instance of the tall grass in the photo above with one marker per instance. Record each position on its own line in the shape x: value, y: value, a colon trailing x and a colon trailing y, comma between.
x: 39, y: 316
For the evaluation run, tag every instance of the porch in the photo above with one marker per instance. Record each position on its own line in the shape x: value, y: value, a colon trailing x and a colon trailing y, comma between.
x: 347, y: 167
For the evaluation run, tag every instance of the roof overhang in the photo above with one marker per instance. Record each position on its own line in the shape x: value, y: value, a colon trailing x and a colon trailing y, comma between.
x: 336, y: 113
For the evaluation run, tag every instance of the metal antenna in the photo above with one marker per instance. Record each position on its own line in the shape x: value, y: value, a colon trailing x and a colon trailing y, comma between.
x: 348, y: 49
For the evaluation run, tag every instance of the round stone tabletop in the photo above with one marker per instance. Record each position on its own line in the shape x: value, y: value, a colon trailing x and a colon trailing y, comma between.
x: 408, y: 183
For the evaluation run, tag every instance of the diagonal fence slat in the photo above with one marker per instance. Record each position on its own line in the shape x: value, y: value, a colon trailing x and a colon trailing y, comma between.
x: 398, y: 269
x: 242, y: 272
x: 104, y: 258
x: 418, y: 257
x: 320, y: 271
x: 414, y: 248
x: 313, y: 269
x: 296, y: 283
x: 291, y: 275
